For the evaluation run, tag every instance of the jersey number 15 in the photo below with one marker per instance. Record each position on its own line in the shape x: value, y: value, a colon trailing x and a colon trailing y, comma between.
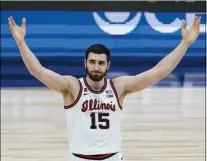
x: 103, y: 121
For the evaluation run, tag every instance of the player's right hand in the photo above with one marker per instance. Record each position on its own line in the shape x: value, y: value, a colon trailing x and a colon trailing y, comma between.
x: 17, y: 32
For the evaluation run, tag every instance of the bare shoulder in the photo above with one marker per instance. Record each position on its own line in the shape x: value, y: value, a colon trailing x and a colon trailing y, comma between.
x: 70, y: 79
x: 120, y: 81
x: 74, y: 90
x: 72, y: 82
x: 120, y: 84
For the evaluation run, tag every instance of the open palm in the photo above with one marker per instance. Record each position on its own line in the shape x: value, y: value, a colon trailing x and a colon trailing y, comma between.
x: 17, y: 32
x: 191, y: 34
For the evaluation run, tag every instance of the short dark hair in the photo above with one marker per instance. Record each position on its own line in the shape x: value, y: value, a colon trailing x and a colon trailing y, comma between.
x: 98, y: 49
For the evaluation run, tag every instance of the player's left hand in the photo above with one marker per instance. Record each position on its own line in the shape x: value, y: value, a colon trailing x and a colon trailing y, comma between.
x: 191, y: 34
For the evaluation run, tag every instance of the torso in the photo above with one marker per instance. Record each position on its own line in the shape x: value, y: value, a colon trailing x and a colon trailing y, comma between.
x: 71, y: 96
x: 94, y: 119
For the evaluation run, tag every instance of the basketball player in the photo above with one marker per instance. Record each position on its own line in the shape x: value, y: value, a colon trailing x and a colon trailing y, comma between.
x: 93, y: 104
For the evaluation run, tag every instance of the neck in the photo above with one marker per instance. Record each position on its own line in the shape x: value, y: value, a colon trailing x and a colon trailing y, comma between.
x: 95, y: 85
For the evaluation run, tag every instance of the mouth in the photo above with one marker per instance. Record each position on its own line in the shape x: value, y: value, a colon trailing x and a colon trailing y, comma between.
x: 96, y: 72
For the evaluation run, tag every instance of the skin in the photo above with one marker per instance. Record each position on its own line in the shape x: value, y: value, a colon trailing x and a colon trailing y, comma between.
x: 96, y: 66
x: 69, y: 86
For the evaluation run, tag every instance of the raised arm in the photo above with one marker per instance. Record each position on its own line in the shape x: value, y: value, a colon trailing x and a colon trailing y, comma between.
x: 51, y: 79
x: 130, y: 84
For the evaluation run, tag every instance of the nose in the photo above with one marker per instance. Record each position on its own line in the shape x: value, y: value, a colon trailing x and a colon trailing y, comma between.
x: 96, y: 67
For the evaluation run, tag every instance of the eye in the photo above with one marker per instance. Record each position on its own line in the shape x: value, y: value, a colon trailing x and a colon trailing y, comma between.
x: 92, y: 61
x: 101, y: 63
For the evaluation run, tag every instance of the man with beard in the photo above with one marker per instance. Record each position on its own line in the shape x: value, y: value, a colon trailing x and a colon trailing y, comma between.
x: 93, y: 104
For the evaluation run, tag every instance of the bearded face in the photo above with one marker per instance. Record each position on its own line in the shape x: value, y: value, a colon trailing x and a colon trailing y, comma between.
x: 96, y: 75
x: 96, y: 66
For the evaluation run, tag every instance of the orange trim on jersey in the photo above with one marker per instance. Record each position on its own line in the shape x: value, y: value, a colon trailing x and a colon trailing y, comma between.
x: 95, y: 157
x: 91, y: 90
x: 77, y: 99
x: 115, y: 92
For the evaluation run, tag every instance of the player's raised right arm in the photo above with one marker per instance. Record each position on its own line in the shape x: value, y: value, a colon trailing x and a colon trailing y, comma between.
x: 51, y: 79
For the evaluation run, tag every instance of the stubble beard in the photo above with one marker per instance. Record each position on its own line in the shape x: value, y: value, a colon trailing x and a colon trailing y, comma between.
x: 96, y: 77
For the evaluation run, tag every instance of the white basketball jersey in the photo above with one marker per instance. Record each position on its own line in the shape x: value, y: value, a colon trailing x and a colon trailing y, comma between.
x: 94, y: 120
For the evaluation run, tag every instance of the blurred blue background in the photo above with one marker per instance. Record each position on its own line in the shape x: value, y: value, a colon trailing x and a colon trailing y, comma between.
x: 137, y: 40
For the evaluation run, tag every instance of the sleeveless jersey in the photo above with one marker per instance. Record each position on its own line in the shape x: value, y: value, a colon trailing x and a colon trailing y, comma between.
x: 94, y: 120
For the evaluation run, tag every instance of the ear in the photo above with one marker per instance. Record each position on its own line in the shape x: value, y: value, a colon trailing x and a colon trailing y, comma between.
x: 85, y: 63
x: 108, y: 65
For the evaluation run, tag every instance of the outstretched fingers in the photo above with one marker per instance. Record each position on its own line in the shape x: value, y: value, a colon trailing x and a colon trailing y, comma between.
x: 183, y: 24
x: 11, y: 24
x: 194, y: 22
x: 23, y: 22
x: 12, y: 20
x: 197, y: 24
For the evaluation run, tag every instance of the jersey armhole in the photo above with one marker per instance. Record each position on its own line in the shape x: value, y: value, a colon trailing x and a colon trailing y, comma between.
x: 77, y: 99
x: 115, y: 92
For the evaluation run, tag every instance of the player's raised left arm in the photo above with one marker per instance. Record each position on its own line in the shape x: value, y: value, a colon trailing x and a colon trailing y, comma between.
x: 166, y: 65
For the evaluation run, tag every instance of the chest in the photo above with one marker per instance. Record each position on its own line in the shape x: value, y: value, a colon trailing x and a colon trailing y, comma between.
x: 106, y: 101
